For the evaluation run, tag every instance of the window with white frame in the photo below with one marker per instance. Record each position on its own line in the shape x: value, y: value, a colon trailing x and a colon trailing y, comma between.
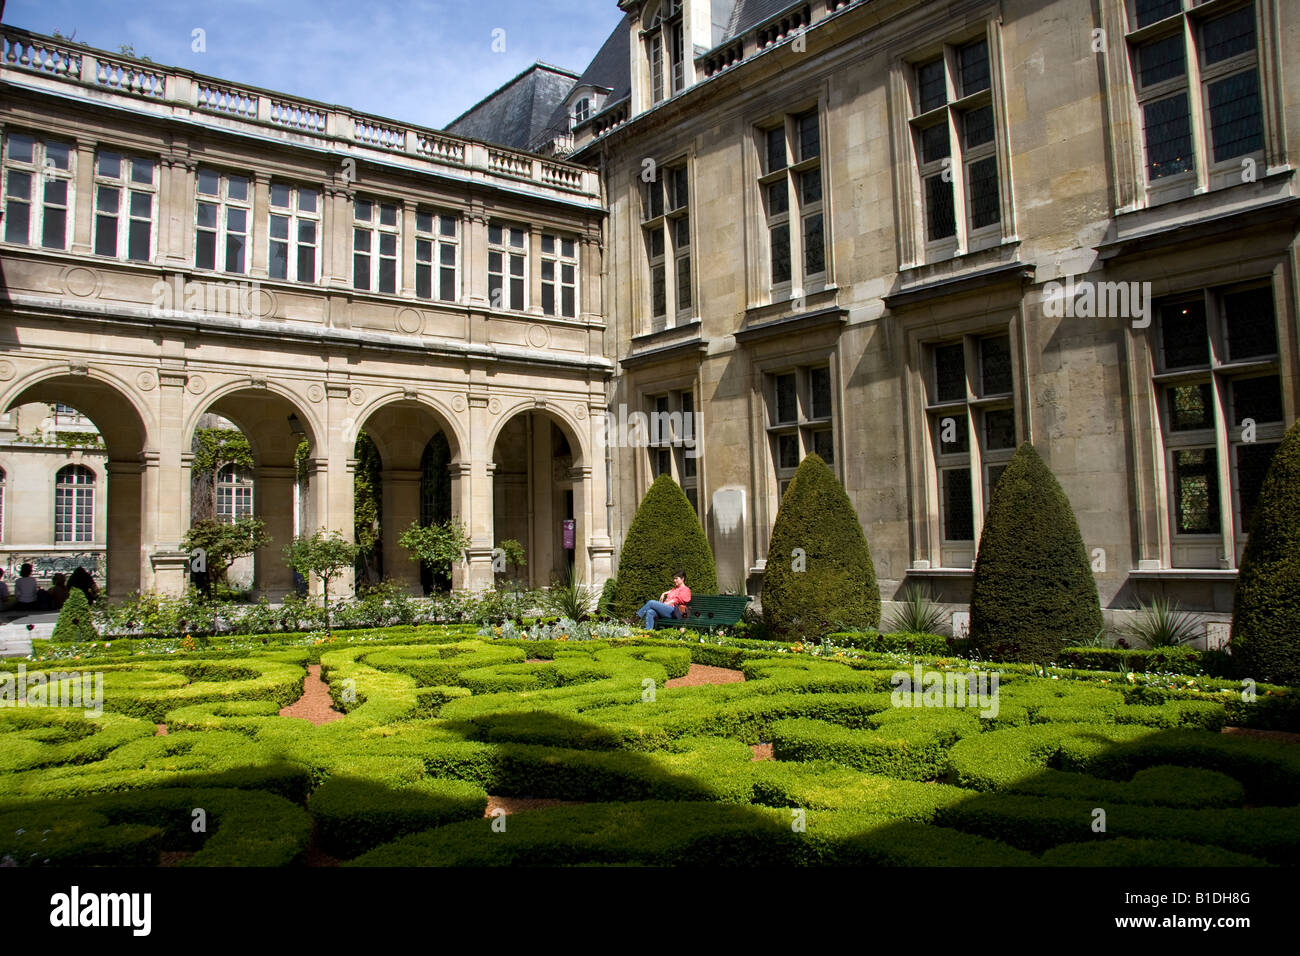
x: 38, y: 190
x: 801, y: 419
x: 375, y: 234
x: 224, y: 209
x: 507, y: 267
x: 582, y: 110
x: 973, y: 425
x: 126, y: 189
x: 1196, y: 75
x: 437, y: 257
x: 673, y: 441
x: 954, y: 135
x: 666, y: 231
x: 74, y: 505
x: 665, y: 42
x: 1218, y: 387
x: 234, y: 494
x: 293, y: 233
x: 790, y: 186
x: 559, y: 275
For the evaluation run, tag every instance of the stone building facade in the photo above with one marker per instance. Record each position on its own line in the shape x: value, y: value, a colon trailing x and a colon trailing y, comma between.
x: 909, y: 236
x: 174, y: 246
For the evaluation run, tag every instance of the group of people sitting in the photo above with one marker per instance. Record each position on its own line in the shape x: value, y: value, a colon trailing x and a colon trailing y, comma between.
x: 29, y: 596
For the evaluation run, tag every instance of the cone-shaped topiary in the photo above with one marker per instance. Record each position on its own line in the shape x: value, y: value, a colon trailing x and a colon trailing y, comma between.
x: 1033, y: 586
x: 74, y: 622
x: 1266, y: 607
x: 819, y: 576
x: 665, y: 536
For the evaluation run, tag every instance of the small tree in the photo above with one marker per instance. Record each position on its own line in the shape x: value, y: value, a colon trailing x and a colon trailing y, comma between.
x: 224, y: 543
x: 214, y: 449
x: 665, y: 536
x: 74, y: 622
x: 1033, y: 590
x: 819, y: 575
x: 326, y: 555
x: 513, y: 553
x: 438, y: 545
x: 1266, y: 606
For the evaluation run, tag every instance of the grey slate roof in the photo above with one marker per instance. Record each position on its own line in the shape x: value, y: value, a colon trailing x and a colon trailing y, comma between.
x: 610, y: 69
x: 746, y: 14
x: 516, y: 114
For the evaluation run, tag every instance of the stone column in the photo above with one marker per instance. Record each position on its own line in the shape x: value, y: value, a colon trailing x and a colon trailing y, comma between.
x: 274, y: 487
x: 335, y: 494
x: 163, y: 488
x: 259, y: 251
x: 176, y: 213
x: 401, y: 501
x: 474, y: 252
x: 85, y: 186
x: 336, y: 237
x: 125, y: 510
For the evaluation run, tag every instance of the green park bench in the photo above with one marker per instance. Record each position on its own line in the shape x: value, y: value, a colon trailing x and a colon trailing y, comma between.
x: 707, y: 611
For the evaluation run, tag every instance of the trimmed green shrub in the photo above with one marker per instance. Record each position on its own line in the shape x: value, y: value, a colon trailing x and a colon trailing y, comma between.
x: 608, y: 595
x: 1033, y: 586
x: 1266, y: 605
x: 1125, y: 851
x: 1167, y: 660
x: 665, y: 536
x: 829, y: 583
x: 75, y: 624
x: 354, y: 815
x: 908, y: 746
x: 898, y: 641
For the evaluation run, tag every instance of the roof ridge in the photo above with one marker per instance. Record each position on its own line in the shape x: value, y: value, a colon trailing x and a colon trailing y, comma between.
x: 536, y: 64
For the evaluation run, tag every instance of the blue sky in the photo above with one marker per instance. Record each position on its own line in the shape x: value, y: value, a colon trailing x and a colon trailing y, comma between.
x: 423, y: 61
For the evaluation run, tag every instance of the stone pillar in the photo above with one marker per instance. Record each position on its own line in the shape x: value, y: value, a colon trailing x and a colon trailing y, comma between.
x: 474, y: 256
x: 85, y: 186
x: 336, y: 237
x: 471, y: 504
x: 334, y: 496
x: 274, y: 487
x: 163, y: 491
x: 125, y: 509
x: 544, y: 521
x: 401, y: 501
x: 259, y: 253
x: 176, y: 213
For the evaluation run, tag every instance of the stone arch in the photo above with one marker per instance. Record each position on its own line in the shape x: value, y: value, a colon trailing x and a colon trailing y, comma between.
x: 274, y: 419
x: 573, y: 430
x: 128, y: 428
x: 401, y: 427
x: 537, y: 487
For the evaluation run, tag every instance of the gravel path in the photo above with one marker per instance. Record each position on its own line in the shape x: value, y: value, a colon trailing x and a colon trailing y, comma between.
x: 520, y: 804
x: 315, y: 704
x: 704, y: 674
x: 762, y: 751
x: 1277, y: 736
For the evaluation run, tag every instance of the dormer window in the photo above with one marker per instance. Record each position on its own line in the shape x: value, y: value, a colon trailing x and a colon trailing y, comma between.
x: 581, y: 111
x: 666, y: 47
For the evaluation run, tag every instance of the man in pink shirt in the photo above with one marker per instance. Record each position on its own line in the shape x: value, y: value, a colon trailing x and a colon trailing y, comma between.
x: 671, y: 604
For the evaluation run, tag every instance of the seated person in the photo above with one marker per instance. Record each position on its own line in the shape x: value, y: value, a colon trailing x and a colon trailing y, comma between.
x: 26, y: 589
x: 58, y: 592
x: 81, y: 579
x: 5, y: 598
x: 671, y: 604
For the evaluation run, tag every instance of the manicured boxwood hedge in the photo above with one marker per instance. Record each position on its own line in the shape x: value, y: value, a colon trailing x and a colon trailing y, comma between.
x: 409, y: 766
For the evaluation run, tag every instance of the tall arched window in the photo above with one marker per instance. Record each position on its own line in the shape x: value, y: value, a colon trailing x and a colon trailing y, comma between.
x: 74, y: 504
x: 665, y: 40
x: 234, y: 494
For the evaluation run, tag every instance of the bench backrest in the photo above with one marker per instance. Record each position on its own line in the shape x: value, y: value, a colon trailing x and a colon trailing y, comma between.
x: 720, y: 607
